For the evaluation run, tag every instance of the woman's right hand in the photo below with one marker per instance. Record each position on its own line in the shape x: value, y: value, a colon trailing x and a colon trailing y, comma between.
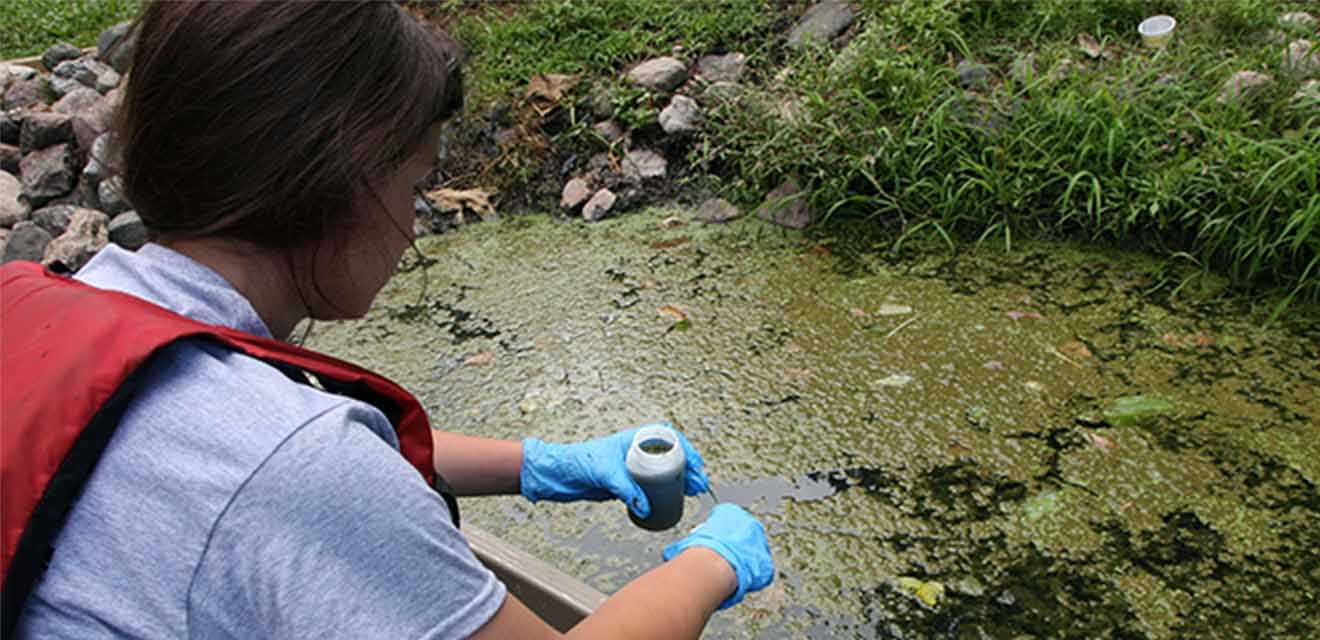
x: 740, y: 539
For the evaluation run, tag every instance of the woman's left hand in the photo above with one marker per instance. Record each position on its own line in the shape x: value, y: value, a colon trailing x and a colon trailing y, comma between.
x: 596, y: 470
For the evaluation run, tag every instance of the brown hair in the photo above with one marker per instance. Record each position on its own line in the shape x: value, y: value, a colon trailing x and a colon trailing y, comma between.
x: 267, y: 121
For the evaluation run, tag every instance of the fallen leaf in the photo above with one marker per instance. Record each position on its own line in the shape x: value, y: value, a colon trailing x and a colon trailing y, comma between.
x: 929, y: 593
x: 1089, y: 44
x: 959, y: 449
x: 672, y: 222
x: 819, y: 250
x: 993, y: 365
x: 1033, y: 386
x: 480, y: 359
x: 1098, y: 441
x: 460, y: 200
x: 670, y: 243
x: 1203, y: 340
x: 797, y: 372
x: 888, y: 309
x: 1075, y: 349
x: 549, y: 87
x: 895, y: 380
x: 901, y: 48
x: 861, y: 313
x: 793, y: 347
x: 1169, y: 339
x: 673, y: 312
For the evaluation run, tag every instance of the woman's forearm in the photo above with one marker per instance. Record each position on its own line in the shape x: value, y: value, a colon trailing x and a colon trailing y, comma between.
x: 476, y: 466
x: 671, y: 601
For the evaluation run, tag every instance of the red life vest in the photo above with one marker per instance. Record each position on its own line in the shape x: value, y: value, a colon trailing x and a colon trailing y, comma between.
x: 71, y: 358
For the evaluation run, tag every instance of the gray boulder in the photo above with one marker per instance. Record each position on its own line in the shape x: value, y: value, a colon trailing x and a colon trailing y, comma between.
x: 27, y: 242
x: 785, y: 207
x: 576, y: 191
x: 92, y: 113
x: 12, y: 210
x: 41, y: 130
x: 47, y: 174
x: 89, y: 73
x: 108, y: 81
x: 822, y: 23
x: 1244, y: 84
x: 59, y: 53
x: 110, y: 195
x: 609, y: 131
x: 659, y: 74
x: 599, y: 205
x: 10, y: 127
x: 725, y: 68
x: 13, y: 73
x: 1297, y: 18
x: 717, y: 211
x: 64, y: 86
x: 641, y: 164
x: 54, y: 218
x: 88, y: 232
x: 681, y: 116
x: 115, y: 46
x: 128, y: 231
x: 24, y: 94
x: 9, y: 158
x: 973, y: 75
x: 1302, y: 58
x: 722, y: 93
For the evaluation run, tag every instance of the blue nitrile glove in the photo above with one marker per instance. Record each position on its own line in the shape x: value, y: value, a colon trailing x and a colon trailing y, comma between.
x: 734, y: 534
x: 597, y: 470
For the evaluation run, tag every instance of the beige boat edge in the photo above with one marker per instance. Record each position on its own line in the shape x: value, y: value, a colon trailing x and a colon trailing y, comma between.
x: 558, y: 598
x: 35, y: 61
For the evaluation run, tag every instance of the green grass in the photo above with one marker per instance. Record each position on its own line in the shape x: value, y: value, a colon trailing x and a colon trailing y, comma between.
x: 1110, y: 154
x: 30, y: 26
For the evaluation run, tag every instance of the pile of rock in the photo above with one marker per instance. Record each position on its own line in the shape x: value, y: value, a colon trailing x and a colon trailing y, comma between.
x: 58, y: 201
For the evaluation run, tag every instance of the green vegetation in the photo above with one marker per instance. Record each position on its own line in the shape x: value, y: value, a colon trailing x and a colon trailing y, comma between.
x: 33, y: 25
x: 1128, y: 148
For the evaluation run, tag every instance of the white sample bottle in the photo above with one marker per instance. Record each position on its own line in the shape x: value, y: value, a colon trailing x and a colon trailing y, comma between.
x: 657, y: 463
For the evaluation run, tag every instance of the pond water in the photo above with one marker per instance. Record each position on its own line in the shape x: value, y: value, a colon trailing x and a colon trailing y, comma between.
x: 925, y: 439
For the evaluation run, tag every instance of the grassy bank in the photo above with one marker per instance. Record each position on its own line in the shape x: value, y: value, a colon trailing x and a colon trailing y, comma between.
x: 1130, y: 147
x: 33, y: 25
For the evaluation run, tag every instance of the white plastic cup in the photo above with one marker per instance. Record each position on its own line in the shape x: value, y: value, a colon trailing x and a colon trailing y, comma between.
x: 1157, y: 30
x: 657, y: 462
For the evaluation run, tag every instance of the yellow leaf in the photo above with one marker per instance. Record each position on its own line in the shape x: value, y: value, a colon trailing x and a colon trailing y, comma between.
x: 480, y: 359
x: 673, y: 312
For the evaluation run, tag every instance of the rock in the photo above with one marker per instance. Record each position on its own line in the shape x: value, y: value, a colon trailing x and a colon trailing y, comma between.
x: 12, y: 210
x: 1023, y: 70
x: 41, y: 130
x: 599, y: 205
x: 59, y: 53
x: 822, y: 22
x: 115, y: 46
x: 110, y: 195
x: 92, y: 113
x: 104, y: 151
x: 786, y: 208
x: 659, y: 74
x: 1244, y: 83
x: 973, y: 75
x: 681, y: 116
x: 576, y: 191
x: 25, y: 94
x: 108, y: 81
x: 63, y: 86
x: 47, y: 174
x: 722, y: 93
x: 88, y: 232
x: 717, y: 211
x: 609, y: 130
x: 601, y: 103
x: 1302, y: 58
x: 725, y: 68
x: 1297, y: 18
x: 9, y: 158
x: 128, y: 231
x: 11, y: 126
x: 1309, y: 89
x: 641, y: 164
x: 13, y: 73
x: 27, y: 242
x: 54, y: 218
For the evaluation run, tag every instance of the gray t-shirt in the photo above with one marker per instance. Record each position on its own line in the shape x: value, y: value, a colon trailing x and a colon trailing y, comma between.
x: 235, y: 503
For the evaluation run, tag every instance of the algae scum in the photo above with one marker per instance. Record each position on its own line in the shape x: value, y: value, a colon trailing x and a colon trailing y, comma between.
x: 936, y: 445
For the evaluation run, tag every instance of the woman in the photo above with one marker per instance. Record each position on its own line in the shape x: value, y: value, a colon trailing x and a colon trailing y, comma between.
x: 272, y: 149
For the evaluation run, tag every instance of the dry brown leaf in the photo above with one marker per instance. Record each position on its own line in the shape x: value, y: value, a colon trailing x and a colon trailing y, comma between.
x: 819, y: 250
x: 480, y: 359
x: 1169, y: 339
x: 793, y: 347
x: 549, y: 87
x: 460, y: 200
x: 672, y: 222
x: 1089, y: 44
x: 1098, y: 441
x: 673, y: 312
x: 1203, y: 340
x: 670, y: 243
x: 860, y: 313
x: 797, y: 372
x: 1075, y: 349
